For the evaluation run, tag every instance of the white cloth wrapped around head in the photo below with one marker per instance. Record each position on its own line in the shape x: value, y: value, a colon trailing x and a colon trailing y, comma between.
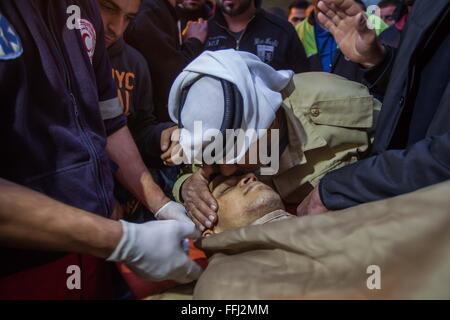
x: 258, y: 83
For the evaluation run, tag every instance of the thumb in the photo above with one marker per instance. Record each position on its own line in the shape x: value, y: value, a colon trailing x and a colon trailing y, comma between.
x: 188, y: 230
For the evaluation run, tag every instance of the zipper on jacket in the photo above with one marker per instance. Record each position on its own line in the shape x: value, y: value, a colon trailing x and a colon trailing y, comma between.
x: 85, y: 138
x: 238, y: 41
x: 93, y: 152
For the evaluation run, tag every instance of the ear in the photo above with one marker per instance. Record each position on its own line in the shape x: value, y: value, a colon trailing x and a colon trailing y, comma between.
x: 207, y: 233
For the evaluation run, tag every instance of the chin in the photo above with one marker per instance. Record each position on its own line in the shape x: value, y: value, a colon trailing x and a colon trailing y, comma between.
x: 266, y: 201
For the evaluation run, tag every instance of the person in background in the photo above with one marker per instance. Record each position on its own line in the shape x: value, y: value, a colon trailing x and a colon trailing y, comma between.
x: 322, y: 49
x: 392, y: 35
x: 131, y: 75
x: 156, y: 35
x: 243, y: 25
x: 297, y: 11
x: 388, y: 9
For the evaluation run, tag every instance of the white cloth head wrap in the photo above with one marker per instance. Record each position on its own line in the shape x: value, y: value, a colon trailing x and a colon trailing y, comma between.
x: 259, y: 84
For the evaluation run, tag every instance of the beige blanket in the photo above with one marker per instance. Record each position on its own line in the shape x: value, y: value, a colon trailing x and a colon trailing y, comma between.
x: 338, y: 255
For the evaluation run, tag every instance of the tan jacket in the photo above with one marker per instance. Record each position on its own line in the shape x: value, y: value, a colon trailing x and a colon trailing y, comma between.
x: 329, y: 123
x: 404, y: 240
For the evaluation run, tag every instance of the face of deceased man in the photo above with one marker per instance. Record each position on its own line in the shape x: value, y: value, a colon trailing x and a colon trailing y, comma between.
x: 242, y: 200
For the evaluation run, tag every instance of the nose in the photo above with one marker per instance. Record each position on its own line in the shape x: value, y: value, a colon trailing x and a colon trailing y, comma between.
x: 117, y: 26
x: 248, y: 178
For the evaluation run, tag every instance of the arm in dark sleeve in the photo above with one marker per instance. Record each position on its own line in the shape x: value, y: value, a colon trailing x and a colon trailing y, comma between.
x: 143, y: 124
x: 192, y: 48
x: 388, y: 174
x: 296, y: 55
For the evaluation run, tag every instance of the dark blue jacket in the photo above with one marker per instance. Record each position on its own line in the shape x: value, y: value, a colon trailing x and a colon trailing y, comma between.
x: 271, y: 38
x: 412, y: 142
x: 58, y: 104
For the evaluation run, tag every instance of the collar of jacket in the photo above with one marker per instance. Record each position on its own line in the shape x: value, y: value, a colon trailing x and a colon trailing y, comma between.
x: 272, y: 217
x: 171, y: 9
x: 116, y: 48
x: 219, y: 18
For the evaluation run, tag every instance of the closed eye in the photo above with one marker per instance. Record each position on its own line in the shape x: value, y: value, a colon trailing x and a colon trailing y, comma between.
x: 226, y: 190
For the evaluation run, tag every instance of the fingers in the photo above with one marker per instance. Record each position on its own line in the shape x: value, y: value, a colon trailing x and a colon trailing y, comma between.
x: 199, y: 201
x: 205, y: 208
x: 197, y: 223
x: 207, y: 197
x: 343, y: 9
x: 173, y: 156
x: 346, y: 6
x: 327, y: 23
x: 167, y: 156
x: 207, y: 212
x: 361, y: 26
x: 200, y: 218
x: 188, y: 230
x: 330, y: 13
x: 301, y: 210
x: 312, y: 204
x: 165, y: 140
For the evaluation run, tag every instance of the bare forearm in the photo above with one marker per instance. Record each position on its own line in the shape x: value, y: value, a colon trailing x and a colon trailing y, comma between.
x: 31, y: 220
x: 133, y: 174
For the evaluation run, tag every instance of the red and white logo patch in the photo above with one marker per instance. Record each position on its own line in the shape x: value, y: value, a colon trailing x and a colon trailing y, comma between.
x: 89, y: 37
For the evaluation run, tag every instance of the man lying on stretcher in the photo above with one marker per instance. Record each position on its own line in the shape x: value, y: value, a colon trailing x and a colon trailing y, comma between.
x: 259, y: 251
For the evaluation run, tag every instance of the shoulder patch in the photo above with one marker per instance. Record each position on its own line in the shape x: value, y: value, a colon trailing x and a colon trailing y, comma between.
x: 10, y: 44
x: 89, y: 37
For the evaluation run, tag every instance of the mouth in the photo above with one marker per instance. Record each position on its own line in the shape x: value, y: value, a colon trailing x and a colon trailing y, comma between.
x: 109, y: 39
